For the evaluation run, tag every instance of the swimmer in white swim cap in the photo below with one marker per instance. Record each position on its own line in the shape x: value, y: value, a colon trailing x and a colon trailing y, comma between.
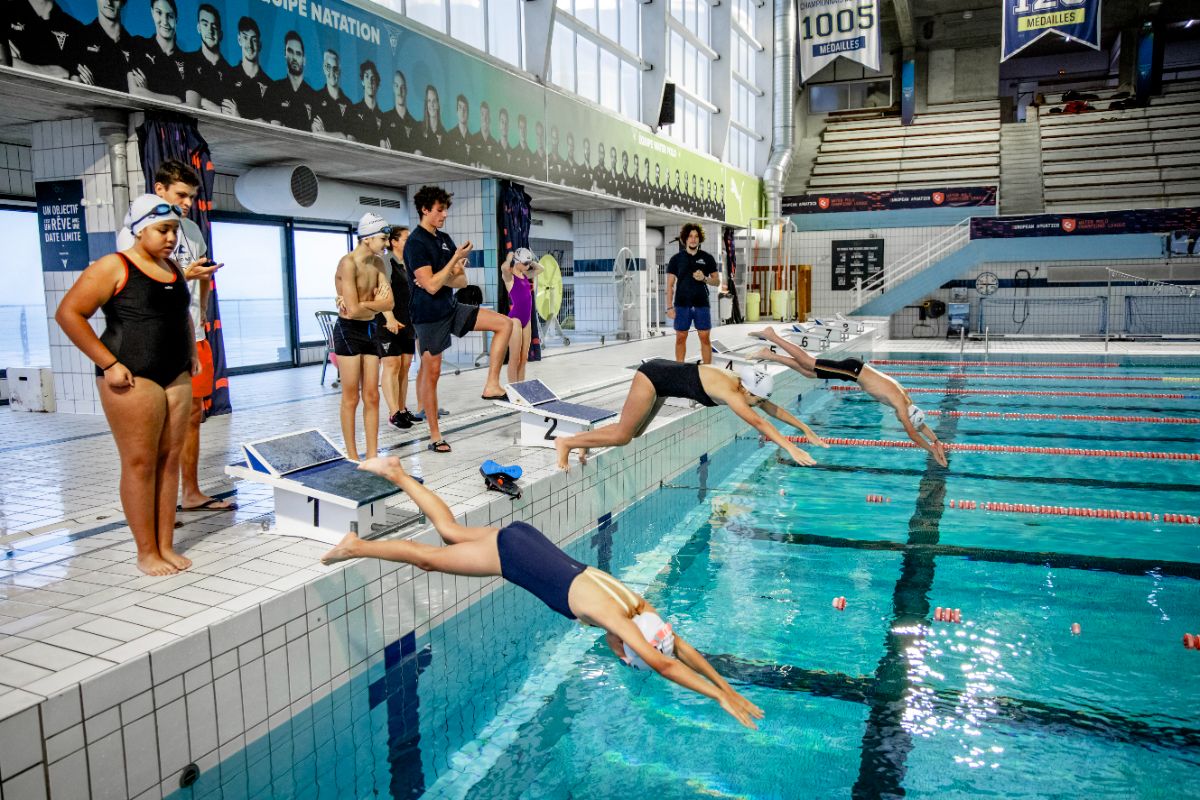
x: 883, y: 388
x: 521, y: 554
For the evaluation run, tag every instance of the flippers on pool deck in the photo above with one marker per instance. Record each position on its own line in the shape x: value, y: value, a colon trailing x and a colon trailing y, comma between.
x: 492, y: 468
x: 501, y: 482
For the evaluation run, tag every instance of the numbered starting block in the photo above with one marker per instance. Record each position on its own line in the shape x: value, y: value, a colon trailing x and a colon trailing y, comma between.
x: 813, y: 334
x: 544, y: 417
x: 319, y: 494
x: 722, y: 356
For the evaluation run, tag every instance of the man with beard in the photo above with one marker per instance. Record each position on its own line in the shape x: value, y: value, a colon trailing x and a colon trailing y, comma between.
x: 331, y: 114
x: 208, y: 76
x: 41, y: 37
x: 460, y: 141
x: 248, y: 85
x: 158, y: 68
x: 105, y: 49
x: 486, y: 145
x: 290, y: 102
x: 398, y: 126
x: 366, y: 122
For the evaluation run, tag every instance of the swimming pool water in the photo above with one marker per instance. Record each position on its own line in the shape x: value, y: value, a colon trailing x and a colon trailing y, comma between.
x: 878, y: 700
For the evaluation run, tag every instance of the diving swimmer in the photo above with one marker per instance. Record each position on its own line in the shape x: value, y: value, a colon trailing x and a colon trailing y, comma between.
x: 658, y: 379
x: 882, y: 387
x: 520, y: 554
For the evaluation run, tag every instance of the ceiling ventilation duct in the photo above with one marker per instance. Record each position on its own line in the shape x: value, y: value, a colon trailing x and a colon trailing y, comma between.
x: 297, y: 191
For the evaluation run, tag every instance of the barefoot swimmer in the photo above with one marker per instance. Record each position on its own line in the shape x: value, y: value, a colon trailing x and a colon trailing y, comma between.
x: 883, y: 388
x: 658, y: 379
x: 520, y: 554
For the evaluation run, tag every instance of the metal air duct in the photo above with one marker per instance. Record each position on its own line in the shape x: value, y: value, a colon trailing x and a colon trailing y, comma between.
x: 297, y: 191
x: 783, y: 122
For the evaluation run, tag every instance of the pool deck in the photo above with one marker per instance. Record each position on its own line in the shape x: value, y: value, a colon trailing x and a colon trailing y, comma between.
x: 74, y: 608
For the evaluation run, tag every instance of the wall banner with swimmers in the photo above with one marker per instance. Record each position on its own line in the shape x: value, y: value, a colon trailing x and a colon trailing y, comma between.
x: 899, y: 199
x: 829, y: 29
x: 62, y: 228
x: 1026, y: 21
x: 1142, y: 220
x: 352, y: 72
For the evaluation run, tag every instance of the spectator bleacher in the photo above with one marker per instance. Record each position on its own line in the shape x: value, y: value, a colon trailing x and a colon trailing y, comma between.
x: 1122, y: 158
x: 951, y: 144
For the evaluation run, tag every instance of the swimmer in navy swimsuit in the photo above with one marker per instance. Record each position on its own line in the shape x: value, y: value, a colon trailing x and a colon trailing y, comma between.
x: 883, y: 388
x: 519, y: 553
x: 658, y: 379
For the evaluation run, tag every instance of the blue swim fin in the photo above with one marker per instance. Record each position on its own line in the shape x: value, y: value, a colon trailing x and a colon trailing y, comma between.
x: 492, y: 468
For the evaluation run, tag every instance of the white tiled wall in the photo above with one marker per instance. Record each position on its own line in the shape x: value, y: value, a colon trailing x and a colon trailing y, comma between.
x: 16, y: 170
x: 599, y: 236
x: 131, y: 730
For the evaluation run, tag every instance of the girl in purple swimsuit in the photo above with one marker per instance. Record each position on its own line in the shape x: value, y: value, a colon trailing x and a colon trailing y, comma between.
x: 519, y: 269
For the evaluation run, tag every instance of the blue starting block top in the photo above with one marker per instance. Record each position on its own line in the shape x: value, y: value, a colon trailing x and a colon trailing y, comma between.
x: 344, y: 479
x: 284, y: 455
x: 590, y: 414
x: 533, y: 392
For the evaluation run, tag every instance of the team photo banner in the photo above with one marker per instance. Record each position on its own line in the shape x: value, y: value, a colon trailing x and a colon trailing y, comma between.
x: 830, y: 29
x: 1026, y: 21
x: 352, y: 73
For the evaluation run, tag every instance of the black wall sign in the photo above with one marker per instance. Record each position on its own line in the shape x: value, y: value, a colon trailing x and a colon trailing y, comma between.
x: 61, y: 225
x: 853, y: 259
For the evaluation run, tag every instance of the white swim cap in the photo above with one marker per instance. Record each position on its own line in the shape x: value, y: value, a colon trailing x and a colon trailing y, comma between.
x: 756, y: 380
x: 657, y: 632
x: 916, y: 416
x: 150, y: 209
x: 523, y: 255
x: 372, y: 224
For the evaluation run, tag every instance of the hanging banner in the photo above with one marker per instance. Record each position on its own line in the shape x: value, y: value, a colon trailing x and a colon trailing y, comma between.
x: 61, y: 225
x: 1026, y: 21
x: 1094, y: 223
x: 890, y: 200
x: 833, y: 28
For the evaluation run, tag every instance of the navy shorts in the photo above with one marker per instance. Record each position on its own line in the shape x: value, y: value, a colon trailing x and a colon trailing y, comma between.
x: 686, y: 315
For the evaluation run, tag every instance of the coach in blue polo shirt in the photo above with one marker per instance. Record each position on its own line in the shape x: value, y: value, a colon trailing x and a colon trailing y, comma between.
x: 689, y: 274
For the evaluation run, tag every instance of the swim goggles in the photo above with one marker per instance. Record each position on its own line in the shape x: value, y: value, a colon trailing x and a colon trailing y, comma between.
x: 160, y: 210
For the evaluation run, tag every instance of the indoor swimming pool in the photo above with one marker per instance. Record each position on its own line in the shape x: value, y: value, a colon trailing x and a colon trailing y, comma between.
x: 744, y: 555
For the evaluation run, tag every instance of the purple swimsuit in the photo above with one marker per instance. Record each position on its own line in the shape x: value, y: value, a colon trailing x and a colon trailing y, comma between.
x: 520, y: 298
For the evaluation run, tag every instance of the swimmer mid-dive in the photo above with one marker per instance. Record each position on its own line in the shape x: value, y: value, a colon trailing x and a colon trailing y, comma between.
x: 658, y: 379
x: 520, y: 554
x: 882, y: 387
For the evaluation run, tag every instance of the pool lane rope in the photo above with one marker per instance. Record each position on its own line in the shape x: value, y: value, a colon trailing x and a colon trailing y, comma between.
x: 1063, y: 417
x: 1071, y: 511
x: 1032, y: 393
x: 1055, y: 364
x: 1041, y: 376
x: 962, y: 447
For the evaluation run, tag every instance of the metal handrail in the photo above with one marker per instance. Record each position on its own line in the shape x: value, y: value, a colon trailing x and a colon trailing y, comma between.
x: 955, y: 238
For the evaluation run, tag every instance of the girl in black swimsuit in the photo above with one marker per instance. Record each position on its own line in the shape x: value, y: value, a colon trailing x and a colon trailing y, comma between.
x: 522, y: 555
x: 658, y: 379
x: 144, y: 360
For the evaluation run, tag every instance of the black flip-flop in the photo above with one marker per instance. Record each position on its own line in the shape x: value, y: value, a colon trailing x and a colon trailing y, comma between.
x: 208, y: 505
x: 503, y: 397
x: 439, y: 446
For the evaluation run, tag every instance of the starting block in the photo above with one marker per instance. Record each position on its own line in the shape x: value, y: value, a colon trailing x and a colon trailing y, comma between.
x: 544, y: 417
x: 815, y: 333
x: 319, y: 494
x: 723, y: 356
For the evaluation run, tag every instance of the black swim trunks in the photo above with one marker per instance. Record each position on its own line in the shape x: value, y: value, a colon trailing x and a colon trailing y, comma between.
x: 845, y: 370
x: 354, y: 337
x: 673, y: 379
x: 390, y: 344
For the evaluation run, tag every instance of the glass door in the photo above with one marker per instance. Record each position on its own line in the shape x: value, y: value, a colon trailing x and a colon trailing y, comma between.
x: 254, y: 301
x: 317, y: 250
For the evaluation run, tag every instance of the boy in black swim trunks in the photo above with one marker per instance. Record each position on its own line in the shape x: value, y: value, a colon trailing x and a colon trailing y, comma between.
x: 882, y: 387
x: 362, y: 292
